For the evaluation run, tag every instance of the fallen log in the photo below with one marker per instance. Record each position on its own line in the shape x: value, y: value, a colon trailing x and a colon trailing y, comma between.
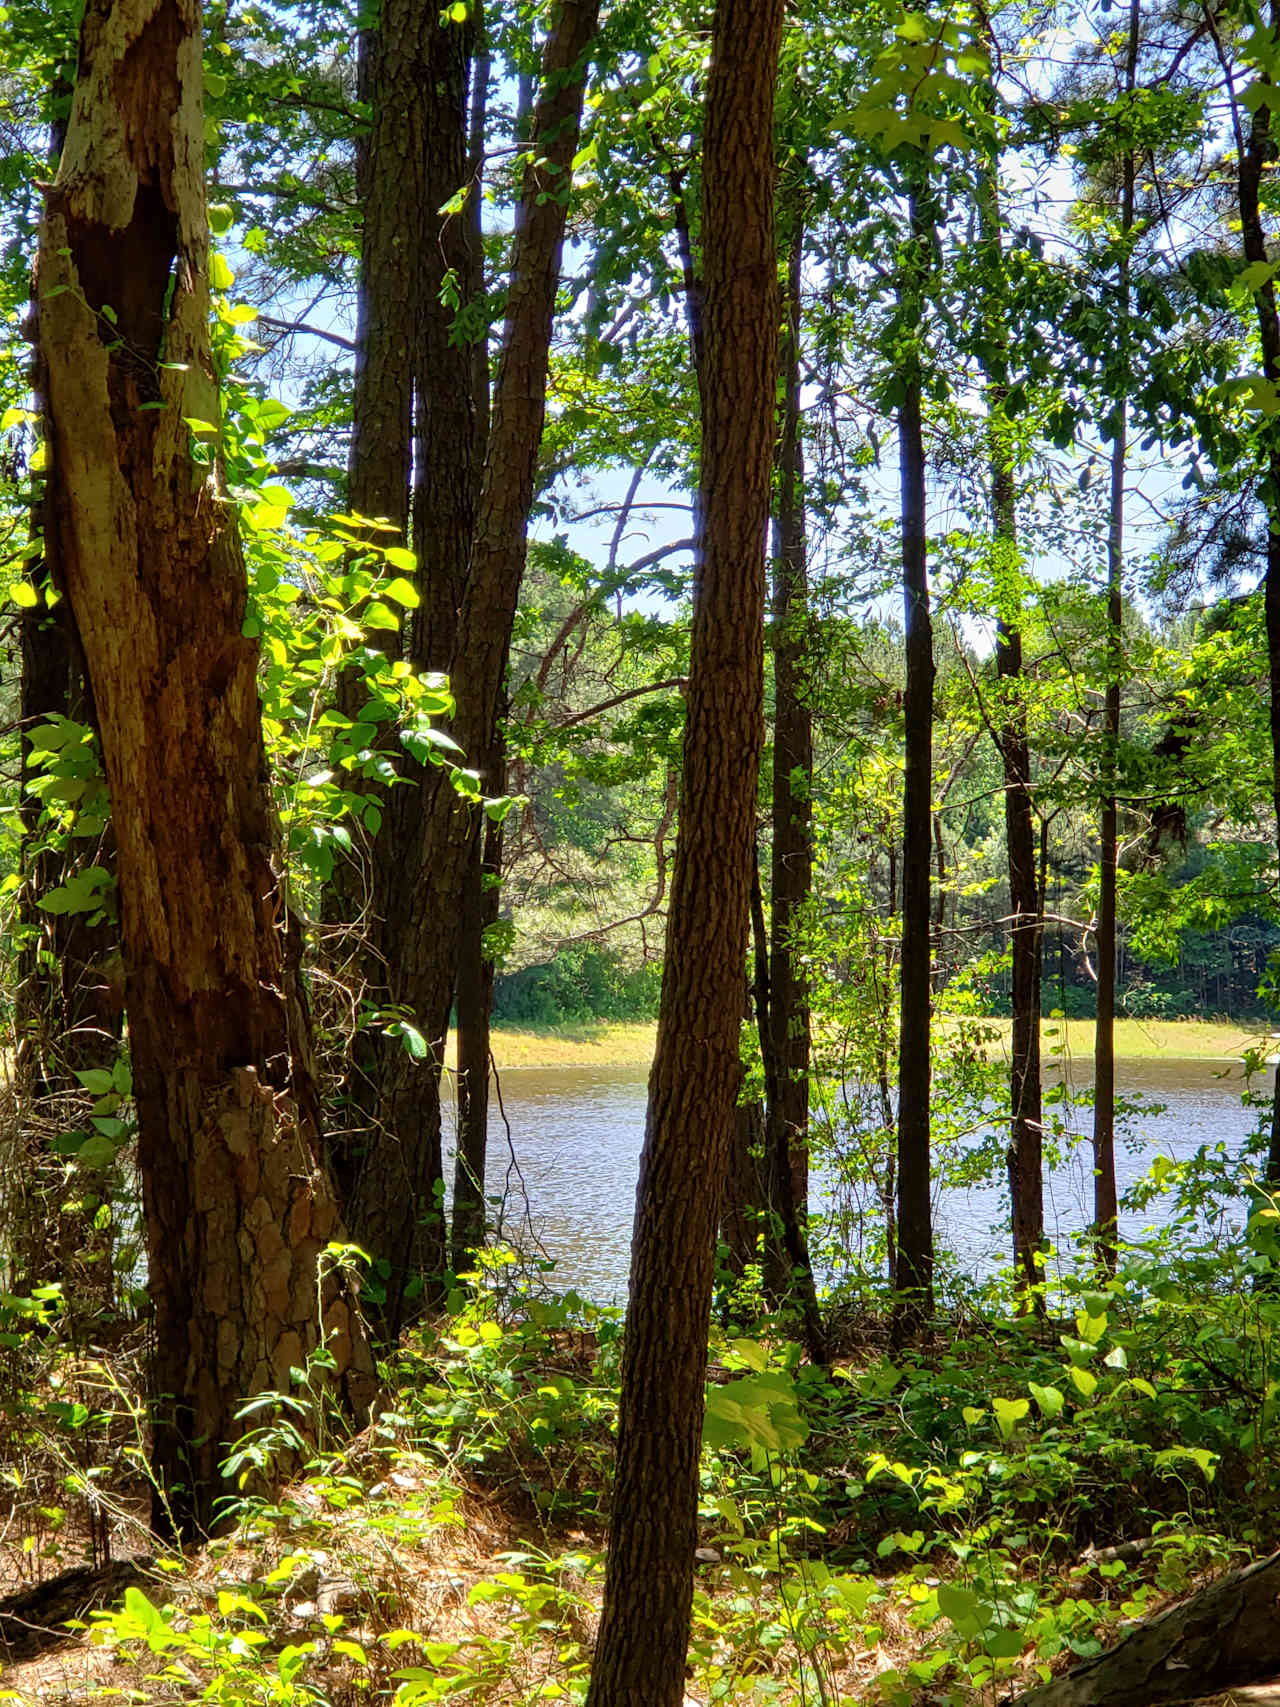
x: 1223, y: 1637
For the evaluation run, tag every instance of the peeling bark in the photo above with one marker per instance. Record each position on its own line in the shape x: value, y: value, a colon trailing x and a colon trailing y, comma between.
x: 238, y: 1207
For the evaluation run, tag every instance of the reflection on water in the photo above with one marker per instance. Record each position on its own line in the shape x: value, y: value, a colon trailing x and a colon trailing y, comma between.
x: 576, y: 1135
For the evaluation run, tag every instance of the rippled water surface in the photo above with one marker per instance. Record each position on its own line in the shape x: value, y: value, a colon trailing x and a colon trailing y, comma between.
x: 576, y: 1134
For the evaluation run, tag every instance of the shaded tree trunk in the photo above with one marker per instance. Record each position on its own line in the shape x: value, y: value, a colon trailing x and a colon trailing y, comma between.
x: 395, y: 1204
x: 414, y: 418
x: 644, y: 1631
x: 1254, y: 156
x: 483, y: 900
x: 915, y: 1216
x: 1026, y: 1106
x: 1224, y: 1637
x: 67, y: 999
x: 237, y: 1204
x: 788, y: 1271
x: 1105, y: 1204
x: 791, y: 868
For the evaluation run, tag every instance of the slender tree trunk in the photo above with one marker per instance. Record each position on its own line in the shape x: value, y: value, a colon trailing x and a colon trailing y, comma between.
x: 788, y: 1270
x: 791, y: 872
x: 475, y: 1006
x: 395, y: 1205
x: 1254, y: 155
x: 483, y: 899
x: 1026, y: 1112
x: 238, y: 1207
x: 1105, y: 1204
x: 915, y: 1216
x: 644, y: 1631
x: 414, y: 423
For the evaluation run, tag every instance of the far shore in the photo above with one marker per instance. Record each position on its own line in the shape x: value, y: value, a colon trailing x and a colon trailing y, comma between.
x: 611, y: 1043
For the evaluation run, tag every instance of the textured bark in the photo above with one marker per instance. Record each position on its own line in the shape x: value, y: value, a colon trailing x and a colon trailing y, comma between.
x: 67, y: 998
x: 791, y: 867
x: 1255, y: 156
x: 474, y: 1012
x: 915, y: 1213
x: 1105, y: 1204
x: 1224, y: 1637
x: 413, y: 414
x: 392, y: 1200
x: 482, y: 900
x: 644, y: 1631
x: 1026, y: 1110
x: 237, y: 1206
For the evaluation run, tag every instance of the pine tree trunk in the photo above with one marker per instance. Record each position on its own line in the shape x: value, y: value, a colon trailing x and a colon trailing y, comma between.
x: 915, y: 1213
x: 644, y: 1632
x: 238, y: 1208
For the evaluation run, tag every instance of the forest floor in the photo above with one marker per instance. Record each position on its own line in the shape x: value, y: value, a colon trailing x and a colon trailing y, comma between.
x: 454, y: 1550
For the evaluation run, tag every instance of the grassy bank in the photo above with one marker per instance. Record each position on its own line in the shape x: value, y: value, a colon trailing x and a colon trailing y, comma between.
x: 589, y: 1043
x: 584, y: 1043
x: 1149, y: 1040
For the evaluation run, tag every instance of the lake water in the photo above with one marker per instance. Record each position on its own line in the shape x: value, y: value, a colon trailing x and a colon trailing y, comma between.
x: 575, y: 1135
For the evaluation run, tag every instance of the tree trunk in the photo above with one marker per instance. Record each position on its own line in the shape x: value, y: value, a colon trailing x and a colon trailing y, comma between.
x: 1105, y: 1204
x: 475, y: 1005
x: 915, y: 1216
x: 238, y: 1208
x: 1255, y: 155
x: 791, y: 870
x: 1026, y: 1109
x: 394, y: 1207
x: 413, y: 414
x: 67, y: 1006
x: 788, y: 1272
x: 1224, y: 1637
x: 483, y: 899
x: 644, y: 1631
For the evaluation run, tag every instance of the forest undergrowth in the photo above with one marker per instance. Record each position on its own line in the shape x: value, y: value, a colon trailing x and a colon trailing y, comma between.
x: 939, y: 1523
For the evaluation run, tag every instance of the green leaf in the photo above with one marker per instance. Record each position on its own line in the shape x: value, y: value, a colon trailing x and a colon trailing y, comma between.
x: 377, y: 615
x: 958, y: 1604
x: 220, y: 275
x: 1085, y: 1380
x: 402, y: 591
x: 399, y: 558
x: 414, y: 1041
x: 1049, y: 1399
x: 24, y: 595
x: 1009, y: 1413
x: 221, y: 218
x: 1004, y: 1644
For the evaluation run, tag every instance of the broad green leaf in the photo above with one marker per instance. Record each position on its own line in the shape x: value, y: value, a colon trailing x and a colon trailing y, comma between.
x: 1086, y: 1382
x: 1009, y: 1413
x: 1049, y: 1399
x: 402, y: 591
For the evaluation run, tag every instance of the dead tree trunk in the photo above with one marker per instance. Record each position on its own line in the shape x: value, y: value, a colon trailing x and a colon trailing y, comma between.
x: 238, y: 1206
x: 1223, y: 1637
